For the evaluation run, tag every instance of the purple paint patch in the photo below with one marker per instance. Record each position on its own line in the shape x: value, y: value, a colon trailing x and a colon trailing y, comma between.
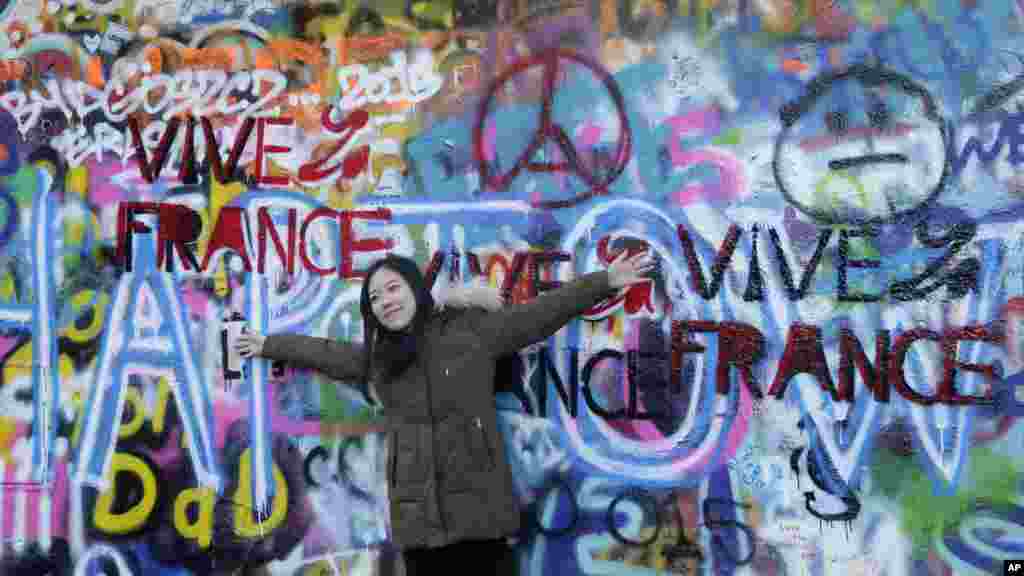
x: 102, y: 189
x: 195, y: 300
x: 6, y: 345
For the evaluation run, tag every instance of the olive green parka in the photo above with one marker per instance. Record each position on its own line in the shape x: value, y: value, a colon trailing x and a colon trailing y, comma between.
x: 449, y: 479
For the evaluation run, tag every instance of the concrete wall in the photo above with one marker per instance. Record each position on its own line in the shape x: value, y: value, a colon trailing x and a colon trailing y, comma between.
x: 821, y: 378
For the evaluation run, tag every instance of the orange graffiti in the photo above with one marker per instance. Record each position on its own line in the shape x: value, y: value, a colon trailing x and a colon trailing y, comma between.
x: 363, y: 48
x: 208, y: 58
x: 12, y: 70
x: 94, y: 72
x: 263, y: 59
x: 794, y: 66
x: 154, y: 57
x: 285, y: 49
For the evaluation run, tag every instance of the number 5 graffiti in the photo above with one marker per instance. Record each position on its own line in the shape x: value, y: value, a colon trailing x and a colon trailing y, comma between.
x: 733, y: 182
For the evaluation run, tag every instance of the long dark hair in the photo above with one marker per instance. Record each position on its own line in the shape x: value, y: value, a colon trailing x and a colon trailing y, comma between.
x: 387, y: 353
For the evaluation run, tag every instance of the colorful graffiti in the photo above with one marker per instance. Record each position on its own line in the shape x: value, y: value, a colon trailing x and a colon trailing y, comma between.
x: 821, y: 378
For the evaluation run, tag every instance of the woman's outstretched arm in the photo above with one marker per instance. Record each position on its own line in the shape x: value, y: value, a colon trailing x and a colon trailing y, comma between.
x: 517, y: 326
x: 339, y: 360
x: 343, y: 360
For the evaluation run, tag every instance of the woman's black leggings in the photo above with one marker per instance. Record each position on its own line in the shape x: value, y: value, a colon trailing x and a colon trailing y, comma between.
x: 487, y: 557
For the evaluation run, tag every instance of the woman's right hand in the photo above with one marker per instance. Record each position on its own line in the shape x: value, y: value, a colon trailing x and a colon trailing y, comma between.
x: 250, y: 344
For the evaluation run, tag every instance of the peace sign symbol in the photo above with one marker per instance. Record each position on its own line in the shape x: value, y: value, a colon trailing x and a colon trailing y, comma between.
x: 597, y: 180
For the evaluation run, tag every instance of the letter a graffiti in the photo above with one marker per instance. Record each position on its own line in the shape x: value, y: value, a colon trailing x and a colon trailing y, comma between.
x: 146, y: 333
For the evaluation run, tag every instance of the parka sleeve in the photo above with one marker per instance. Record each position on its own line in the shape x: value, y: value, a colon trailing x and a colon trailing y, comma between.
x: 339, y: 360
x: 517, y: 326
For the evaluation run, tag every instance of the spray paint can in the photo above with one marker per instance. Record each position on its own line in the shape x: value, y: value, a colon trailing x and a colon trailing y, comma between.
x: 231, y: 328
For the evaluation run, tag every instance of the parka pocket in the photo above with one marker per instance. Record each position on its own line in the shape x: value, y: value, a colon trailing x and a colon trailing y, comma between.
x: 392, y: 458
x: 467, y: 451
x: 410, y: 527
x: 455, y: 463
x: 410, y: 447
x: 480, y: 444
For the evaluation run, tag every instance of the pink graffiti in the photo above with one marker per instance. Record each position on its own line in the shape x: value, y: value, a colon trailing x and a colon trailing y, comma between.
x: 732, y: 181
x: 194, y: 299
x: 490, y: 138
x: 228, y: 412
x: 58, y: 508
x: 287, y: 426
x: 17, y: 490
x: 641, y: 429
x: 102, y: 175
x: 170, y: 454
x: 6, y: 344
x: 589, y: 135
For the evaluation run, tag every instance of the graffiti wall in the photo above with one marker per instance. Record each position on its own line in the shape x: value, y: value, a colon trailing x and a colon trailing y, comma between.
x: 821, y: 377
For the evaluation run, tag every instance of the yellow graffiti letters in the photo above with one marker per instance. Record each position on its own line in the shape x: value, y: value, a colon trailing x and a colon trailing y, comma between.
x: 91, y: 305
x: 105, y: 518
x: 202, y: 529
x: 133, y: 399
x: 245, y: 524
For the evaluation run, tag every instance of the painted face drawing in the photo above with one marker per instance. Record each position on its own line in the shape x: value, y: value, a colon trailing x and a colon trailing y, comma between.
x: 863, y: 146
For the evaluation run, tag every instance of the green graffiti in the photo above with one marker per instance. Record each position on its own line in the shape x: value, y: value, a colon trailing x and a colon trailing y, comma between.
x: 990, y: 477
x: 733, y: 137
x: 24, y: 184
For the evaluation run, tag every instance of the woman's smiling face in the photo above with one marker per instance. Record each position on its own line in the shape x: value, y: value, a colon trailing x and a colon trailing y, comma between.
x: 391, y: 299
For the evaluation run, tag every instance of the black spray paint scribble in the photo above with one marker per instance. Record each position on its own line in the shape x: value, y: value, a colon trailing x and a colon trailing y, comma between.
x: 999, y: 95
x: 826, y: 478
x: 662, y: 512
x: 876, y: 108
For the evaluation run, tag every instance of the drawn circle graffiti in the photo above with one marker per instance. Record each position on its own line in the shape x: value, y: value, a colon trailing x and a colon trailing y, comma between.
x: 639, y: 496
x: 864, y: 145
x: 981, y: 540
x: 668, y: 433
x: 597, y: 179
x: 637, y: 517
x: 555, y: 532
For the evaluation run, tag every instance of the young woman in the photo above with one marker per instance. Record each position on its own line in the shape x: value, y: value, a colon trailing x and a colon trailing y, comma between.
x: 450, y: 486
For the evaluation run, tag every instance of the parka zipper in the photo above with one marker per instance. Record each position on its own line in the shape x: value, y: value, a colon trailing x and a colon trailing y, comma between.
x: 435, y: 453
x: 482, y: 436
x: 393, y: 462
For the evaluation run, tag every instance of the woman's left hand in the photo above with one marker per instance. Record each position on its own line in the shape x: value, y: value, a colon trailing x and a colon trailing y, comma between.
x: 250, y: 344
